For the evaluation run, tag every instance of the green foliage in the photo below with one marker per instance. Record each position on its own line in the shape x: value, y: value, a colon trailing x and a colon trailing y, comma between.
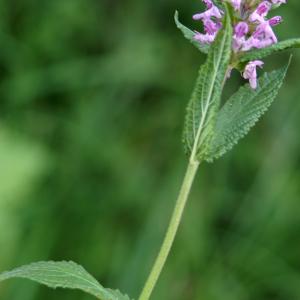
x: 63, y: 275
x: 205, y: 100
x: 261, y: 53
x: 242, y: 111
x: 189, y: 35
x: 218, y: 3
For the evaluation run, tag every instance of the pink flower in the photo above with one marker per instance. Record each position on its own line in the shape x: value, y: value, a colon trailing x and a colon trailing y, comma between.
x: 211, y: 27
x: 204, y: 38
x: 261, y: 12
x: 275, y: 21
x: 252, y: 28
x: 211, y: 12
x: 250, y: 72
x: 210, y: 19
x: 240, y: 31
x: 236, y: 4
x: 264, y: 32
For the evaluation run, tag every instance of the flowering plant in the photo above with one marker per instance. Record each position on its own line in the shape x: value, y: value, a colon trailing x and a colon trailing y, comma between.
x: 237, y: 35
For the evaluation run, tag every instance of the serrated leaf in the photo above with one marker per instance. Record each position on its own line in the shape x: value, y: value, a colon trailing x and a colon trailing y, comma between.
x: 261, y: 53
x: 189, y: 35
x: 241, y: 112
x: 205, y: 100
x: 64, y: 275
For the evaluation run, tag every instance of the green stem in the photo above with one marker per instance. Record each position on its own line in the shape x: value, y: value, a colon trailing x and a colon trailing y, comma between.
x: 171, y: 232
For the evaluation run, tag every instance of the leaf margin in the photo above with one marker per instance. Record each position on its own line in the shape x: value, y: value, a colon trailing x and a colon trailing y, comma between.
x: 189, y: 35
x: 264, y: 52
x: 197, y: 129
x: 95, y: 289
x: 216, y: 154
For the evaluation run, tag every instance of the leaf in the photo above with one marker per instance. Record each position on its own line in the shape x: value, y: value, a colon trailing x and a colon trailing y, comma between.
x: 63, y: 275
x: 205, y: 100
x: 218, y: 3
x: 241, y: 112
x: 189, y: 35
x: 261, y: 53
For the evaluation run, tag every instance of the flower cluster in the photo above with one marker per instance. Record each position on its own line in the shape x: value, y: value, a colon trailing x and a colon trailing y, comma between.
x: 252, y: 28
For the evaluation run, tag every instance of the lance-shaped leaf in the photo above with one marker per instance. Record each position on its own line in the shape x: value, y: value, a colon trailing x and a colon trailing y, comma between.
x: 205, y: 100
x: 64, y: 275
x: 261, y: 53
x: 241, y: 112
x: 189, y: 35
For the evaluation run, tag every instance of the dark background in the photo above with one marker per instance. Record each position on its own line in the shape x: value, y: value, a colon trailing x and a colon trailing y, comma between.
x: 93, y: 95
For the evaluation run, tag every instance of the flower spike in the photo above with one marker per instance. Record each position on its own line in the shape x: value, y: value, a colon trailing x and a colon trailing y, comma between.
x: 252, y: 28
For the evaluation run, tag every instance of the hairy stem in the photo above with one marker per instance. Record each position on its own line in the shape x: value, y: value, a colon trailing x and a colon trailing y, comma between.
x: 171, y: 231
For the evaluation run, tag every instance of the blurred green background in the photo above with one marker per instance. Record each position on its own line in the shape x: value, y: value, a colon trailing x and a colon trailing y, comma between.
x: 93, y: 94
